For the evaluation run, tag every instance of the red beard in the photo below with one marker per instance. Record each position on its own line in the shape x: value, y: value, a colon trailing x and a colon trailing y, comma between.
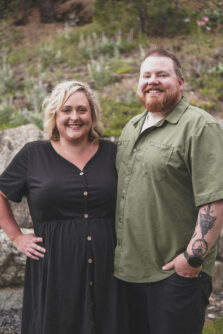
x: 163, y: 103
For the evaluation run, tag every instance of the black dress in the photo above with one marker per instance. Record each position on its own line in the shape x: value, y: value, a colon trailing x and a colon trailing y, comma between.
x: 71, y: 290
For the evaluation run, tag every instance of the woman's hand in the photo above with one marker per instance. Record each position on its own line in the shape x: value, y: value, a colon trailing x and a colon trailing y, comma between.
x: 28, y: 244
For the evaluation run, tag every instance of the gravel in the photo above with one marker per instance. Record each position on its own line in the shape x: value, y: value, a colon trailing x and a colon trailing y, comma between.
x: 10, y: 321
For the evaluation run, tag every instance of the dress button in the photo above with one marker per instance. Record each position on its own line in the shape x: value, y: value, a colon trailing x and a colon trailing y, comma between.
x: 90, y: 260
x: 90, y: 283
x: 85, y: 193
x: 81, y: 173
x: 89, y: 238
x: 86, y: 215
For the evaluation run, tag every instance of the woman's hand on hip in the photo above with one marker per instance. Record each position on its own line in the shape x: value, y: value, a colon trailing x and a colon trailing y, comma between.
x: 28, y: 244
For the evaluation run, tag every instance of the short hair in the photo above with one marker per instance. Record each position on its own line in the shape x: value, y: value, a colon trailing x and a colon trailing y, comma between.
x: 56, y: 100
x: 159, y: 51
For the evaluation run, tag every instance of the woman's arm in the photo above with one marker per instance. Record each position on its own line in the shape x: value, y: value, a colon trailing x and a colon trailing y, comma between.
x: 25, y: 243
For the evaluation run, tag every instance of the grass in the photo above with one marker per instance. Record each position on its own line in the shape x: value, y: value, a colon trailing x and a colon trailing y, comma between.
x: 215, y: 327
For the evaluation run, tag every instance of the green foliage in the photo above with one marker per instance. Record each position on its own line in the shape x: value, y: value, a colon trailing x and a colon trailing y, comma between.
x: 166, y: 19
x: 153, y: 17
x: 114, y: 15
x: 100, y: 73
x: 7, y: 84
x: 95, y: 44
x: 115, y: 115
x: 214, y: 12
x: 6, y: 111
x: 18, y: 56
x: 215, y: 327
x: 210, y: 84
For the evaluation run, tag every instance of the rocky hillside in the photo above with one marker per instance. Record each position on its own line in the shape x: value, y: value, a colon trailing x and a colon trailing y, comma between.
x: 36, y: 56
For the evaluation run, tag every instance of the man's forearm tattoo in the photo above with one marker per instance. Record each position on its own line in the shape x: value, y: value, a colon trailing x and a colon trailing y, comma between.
x: 200, y: 246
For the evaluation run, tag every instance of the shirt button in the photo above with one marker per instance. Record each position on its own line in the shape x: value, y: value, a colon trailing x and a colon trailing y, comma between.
x: 86, y: 215
x: 85, y: 193
x: 134, y: 150
x: 89, y: 238
x: 81, y: 173
x: 90, y: 283
x: 120, y: 220
x: 90, y: 260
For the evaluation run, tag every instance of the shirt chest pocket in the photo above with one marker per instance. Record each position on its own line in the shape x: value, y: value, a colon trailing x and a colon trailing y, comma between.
x: 155, y: 158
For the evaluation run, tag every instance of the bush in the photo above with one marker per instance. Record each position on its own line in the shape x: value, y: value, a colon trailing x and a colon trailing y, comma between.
x: 152, y: 17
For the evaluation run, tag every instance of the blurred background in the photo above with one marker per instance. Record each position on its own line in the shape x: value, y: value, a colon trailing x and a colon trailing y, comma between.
x: 102, y: 42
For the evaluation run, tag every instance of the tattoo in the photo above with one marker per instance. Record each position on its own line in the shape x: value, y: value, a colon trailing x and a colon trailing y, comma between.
x: 206, y: 220
x: 194, y: 235
x: 200, y: 246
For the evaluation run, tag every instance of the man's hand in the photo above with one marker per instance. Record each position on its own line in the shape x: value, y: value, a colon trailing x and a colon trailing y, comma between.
x: 27, y: 244
x: 182, y: 268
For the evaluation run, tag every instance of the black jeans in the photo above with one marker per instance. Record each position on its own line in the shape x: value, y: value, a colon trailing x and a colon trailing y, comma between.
x: 175, y: 305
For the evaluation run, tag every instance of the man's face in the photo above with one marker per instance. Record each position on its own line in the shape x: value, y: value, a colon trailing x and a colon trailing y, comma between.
x: 159, y: 88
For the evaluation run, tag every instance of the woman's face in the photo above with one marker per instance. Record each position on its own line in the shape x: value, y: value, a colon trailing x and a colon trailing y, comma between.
x: 74, y: 119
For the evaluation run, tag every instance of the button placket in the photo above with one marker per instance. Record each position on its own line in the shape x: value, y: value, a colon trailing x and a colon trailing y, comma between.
x: 89, y: 259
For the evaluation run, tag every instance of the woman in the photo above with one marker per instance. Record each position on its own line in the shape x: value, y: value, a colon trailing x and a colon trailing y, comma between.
x: 70, y: 184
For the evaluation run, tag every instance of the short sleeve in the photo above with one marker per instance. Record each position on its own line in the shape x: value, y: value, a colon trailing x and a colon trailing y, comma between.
x: 13, y: 179
x: 206, y: 162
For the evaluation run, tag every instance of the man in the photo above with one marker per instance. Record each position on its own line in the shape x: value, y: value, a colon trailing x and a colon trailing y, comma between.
x: 169, y: 207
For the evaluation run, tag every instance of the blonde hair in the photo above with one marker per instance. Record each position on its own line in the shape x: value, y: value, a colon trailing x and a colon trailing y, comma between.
x: 55, y: 102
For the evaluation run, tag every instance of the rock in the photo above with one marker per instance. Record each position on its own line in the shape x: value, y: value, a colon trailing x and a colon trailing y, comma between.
x: 11, y: 298
x: 11, y: 141
x: 218, y: 53
x: 12, y: 262
x: 75, y: 12
x: 217, y: 279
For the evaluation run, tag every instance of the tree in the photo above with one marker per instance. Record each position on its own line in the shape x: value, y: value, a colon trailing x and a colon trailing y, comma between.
x: 47, y: 14
x: 24, y: 18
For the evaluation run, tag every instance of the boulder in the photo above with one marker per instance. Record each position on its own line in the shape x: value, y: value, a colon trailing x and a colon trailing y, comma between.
x: 11, y: 298
x: 11, y: 141
x: 217, y: 279
x: 12, y: 262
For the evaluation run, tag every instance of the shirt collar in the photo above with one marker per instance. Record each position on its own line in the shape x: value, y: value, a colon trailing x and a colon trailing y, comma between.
x: 172, y: 117
x: 175, y: 115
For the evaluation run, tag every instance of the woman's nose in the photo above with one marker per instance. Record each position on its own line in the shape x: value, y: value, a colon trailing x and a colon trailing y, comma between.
x: 74, y: 115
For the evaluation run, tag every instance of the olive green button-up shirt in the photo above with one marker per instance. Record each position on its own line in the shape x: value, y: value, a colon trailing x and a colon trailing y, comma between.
x: 164, y: 174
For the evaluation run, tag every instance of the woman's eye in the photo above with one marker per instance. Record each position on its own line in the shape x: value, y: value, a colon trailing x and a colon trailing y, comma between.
x: 65, y: 110
x: 82, y: 110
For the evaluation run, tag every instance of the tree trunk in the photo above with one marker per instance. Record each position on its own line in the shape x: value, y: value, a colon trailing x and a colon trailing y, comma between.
x: 143, y: 18
x: 24, y: 18
x: 47, y: 11
x: 23, y: 4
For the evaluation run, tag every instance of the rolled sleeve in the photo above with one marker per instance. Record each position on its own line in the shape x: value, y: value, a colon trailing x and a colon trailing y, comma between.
x: 206, y: 161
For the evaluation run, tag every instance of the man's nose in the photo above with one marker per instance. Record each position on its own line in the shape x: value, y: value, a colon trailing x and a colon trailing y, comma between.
x: 153, y: 79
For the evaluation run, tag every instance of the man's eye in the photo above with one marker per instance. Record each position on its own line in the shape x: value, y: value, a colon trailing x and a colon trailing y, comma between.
x: 162, y: 75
